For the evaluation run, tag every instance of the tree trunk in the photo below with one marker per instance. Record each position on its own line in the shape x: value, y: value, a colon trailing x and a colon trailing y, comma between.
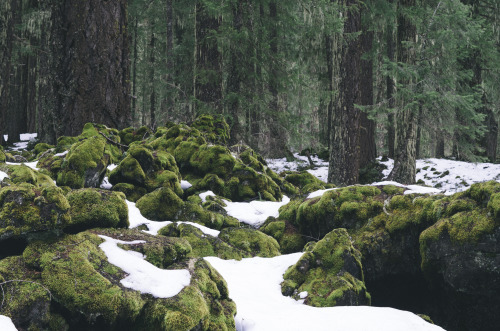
x: 344, y: 145
x: 404, y: 170
x: 368, y: 149
x: 234, y: 76
x: 134, y: 76
x: 94, y: 68
x: 208, y: 66
x: 439, y: 144
x: 391, y: 133
x: 152, y: 97
x: 169, y: 104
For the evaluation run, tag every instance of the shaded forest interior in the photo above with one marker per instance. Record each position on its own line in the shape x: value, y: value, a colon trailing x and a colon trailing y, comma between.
x: 403, y: 78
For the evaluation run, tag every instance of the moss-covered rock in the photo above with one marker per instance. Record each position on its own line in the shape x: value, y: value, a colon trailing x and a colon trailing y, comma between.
x: 160, y: 205
x: 130, y: 135
x: 254, y: 242
x: 330, y: 272
x: 93, y: 208
x: 214, y: 128
x: 41, y: 147
x: 29, y: 212
x: 305, y: 182
x: 85, y: 165
x: 203, y: 245
x: 19, y: 174
x: 128, y: 171
x: 289, y: 239
x: 349, y: 207
x: 132, y: 192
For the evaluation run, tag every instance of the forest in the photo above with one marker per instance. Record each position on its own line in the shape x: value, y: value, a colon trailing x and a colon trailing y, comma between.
x: 351, y: 79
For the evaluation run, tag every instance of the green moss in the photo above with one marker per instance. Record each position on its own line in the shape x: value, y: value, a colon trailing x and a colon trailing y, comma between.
x: 19, y: 174
x: 132, y: 192
x: 212, y: 159
x: 481, y: 192
x: 330, y: 272
x: 41, y: 147
x: 84, y: 156
x: 214, y: 129
x: 27, y: 211
x: 494, y: 206
x: 286, y: 234
x: 164, y: 178
x: 92, y: 208
x: 393, y: 190
x: 130, y: 135
x: 128, y: 171
x: 304, y: 181
x: 192, y: 212
x: 252, y: 241
x: 160, y: 205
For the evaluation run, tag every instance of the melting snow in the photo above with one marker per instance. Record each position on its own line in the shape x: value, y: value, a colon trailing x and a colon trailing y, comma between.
x: 62, y: 154
x: 254, y: 285
x: 185, y: 184
x: 3, y: 175
x: 142, y: 275
x: 6, y: 324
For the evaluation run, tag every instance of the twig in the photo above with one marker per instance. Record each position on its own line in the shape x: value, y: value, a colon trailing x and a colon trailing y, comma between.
x: 112, y: 141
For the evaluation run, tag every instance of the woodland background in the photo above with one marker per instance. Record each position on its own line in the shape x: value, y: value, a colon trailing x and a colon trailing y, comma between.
x: 403, y: 78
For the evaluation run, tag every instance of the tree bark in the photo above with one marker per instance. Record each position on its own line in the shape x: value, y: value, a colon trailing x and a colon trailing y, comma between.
x: 208, y: 67
x: 152, y: 97
x: 391, y: 133
x: 368, y: 149
x: 404, y: 170
x: 344, y: 146
x: 169, y: 104
x: 93, y: 84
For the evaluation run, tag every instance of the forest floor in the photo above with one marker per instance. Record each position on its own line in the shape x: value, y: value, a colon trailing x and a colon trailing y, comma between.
x: 254, y: 283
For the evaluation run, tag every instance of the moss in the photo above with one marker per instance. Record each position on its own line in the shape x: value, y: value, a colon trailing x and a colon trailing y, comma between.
x: 71, y: 270
x: 27, y: 210
x: 494, y: 206
x: 289, y: 239
x: 50, y: 164
x: 393, y: 190
x: 64, y: 143
x: 304, y: 181
x: 481, y: 192
x: 212, y: 159
x: 203, y: 245
x: 41, y: 147
x: 164, y: 178
x: 92, y: 208
x: 19, y: 174
x: 130, y: 135
x: 214, y: 129
x: 128, y: 171
x: 252, y: 241
x: 330, y: 272
x: 132, y: 192
x: 85, y: 156
x: 192, y: 212
x: 25, y: 300
x: 160, y: 205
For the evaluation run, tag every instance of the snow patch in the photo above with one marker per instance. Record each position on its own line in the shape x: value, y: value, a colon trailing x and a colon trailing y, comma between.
x: 204, y: 195
x: 112, y: 167
x: 32, y: 165
x: 185, y: 184
x: 254, y: 285
x: 142, y: 275
x: 106, y: 184
x: 254, y: 213
x: 3, y: 175
x: 62, y: 154
x: 6, y: 324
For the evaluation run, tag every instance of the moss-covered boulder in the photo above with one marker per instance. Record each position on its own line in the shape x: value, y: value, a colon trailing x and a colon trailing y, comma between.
x: 330, y: 272
x: 203, y: 245
x: 460, y: 255
x: 132, y: 192
x: 130, y: 135
x: 214, y: 128
x: 28, y: 212
x: 88, y: 294
x: 289, y: 239
x: 85, y: 164
x: 95, y: 208
x: 41, y: 147
x: 305, y: 182
x: 349, y: 207
x: 252, y: 241
x: 19, y: 174
x: 160, y: 205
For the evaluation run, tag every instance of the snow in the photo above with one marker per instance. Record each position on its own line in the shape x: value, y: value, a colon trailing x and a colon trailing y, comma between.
x: 185, y: 184
x: 112, y: 167
x: 27, y: 136
x: 142, y: 275
x: 106, y: 185
x: 203, y: 196
x: 3, y: 175
x: 32, y: 165
x: 254, y: 285
x: 254, y: 213
x: 62, y: 154
x: 6, y: 324
x: 136, y: 219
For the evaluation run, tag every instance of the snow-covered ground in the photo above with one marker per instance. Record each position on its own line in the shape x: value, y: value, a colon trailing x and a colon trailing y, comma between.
x: 447, y: 176
x: 6, y: 324
x: 23, y: 144
x: 254, y: 284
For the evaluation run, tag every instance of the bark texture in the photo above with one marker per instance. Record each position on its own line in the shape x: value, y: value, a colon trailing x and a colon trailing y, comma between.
x: 344, y: 139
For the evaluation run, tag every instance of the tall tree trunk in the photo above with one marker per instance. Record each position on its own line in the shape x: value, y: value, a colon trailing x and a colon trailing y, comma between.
x: 344, y: 146
x: 134, y: 76
x: 94, y: 70
x: 169, y: 104
x: 439, y: 144
x: 368, y: 149
x: 331, y: 86
x: 391, y: 133
x: 234, y: 76
x: 152, y: 97
x: 404, y: 170
x: 277, y: 136
x: 208, y: 66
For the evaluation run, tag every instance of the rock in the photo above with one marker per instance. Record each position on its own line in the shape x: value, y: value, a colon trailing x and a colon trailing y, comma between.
x: 90, y: 296
x: 289, y: 239
x: 251, y: 241
x: 214, y: 129
x: 330, y: 272
x: 19, y: 174
x: 95, y: 208
x: 28, y: 212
